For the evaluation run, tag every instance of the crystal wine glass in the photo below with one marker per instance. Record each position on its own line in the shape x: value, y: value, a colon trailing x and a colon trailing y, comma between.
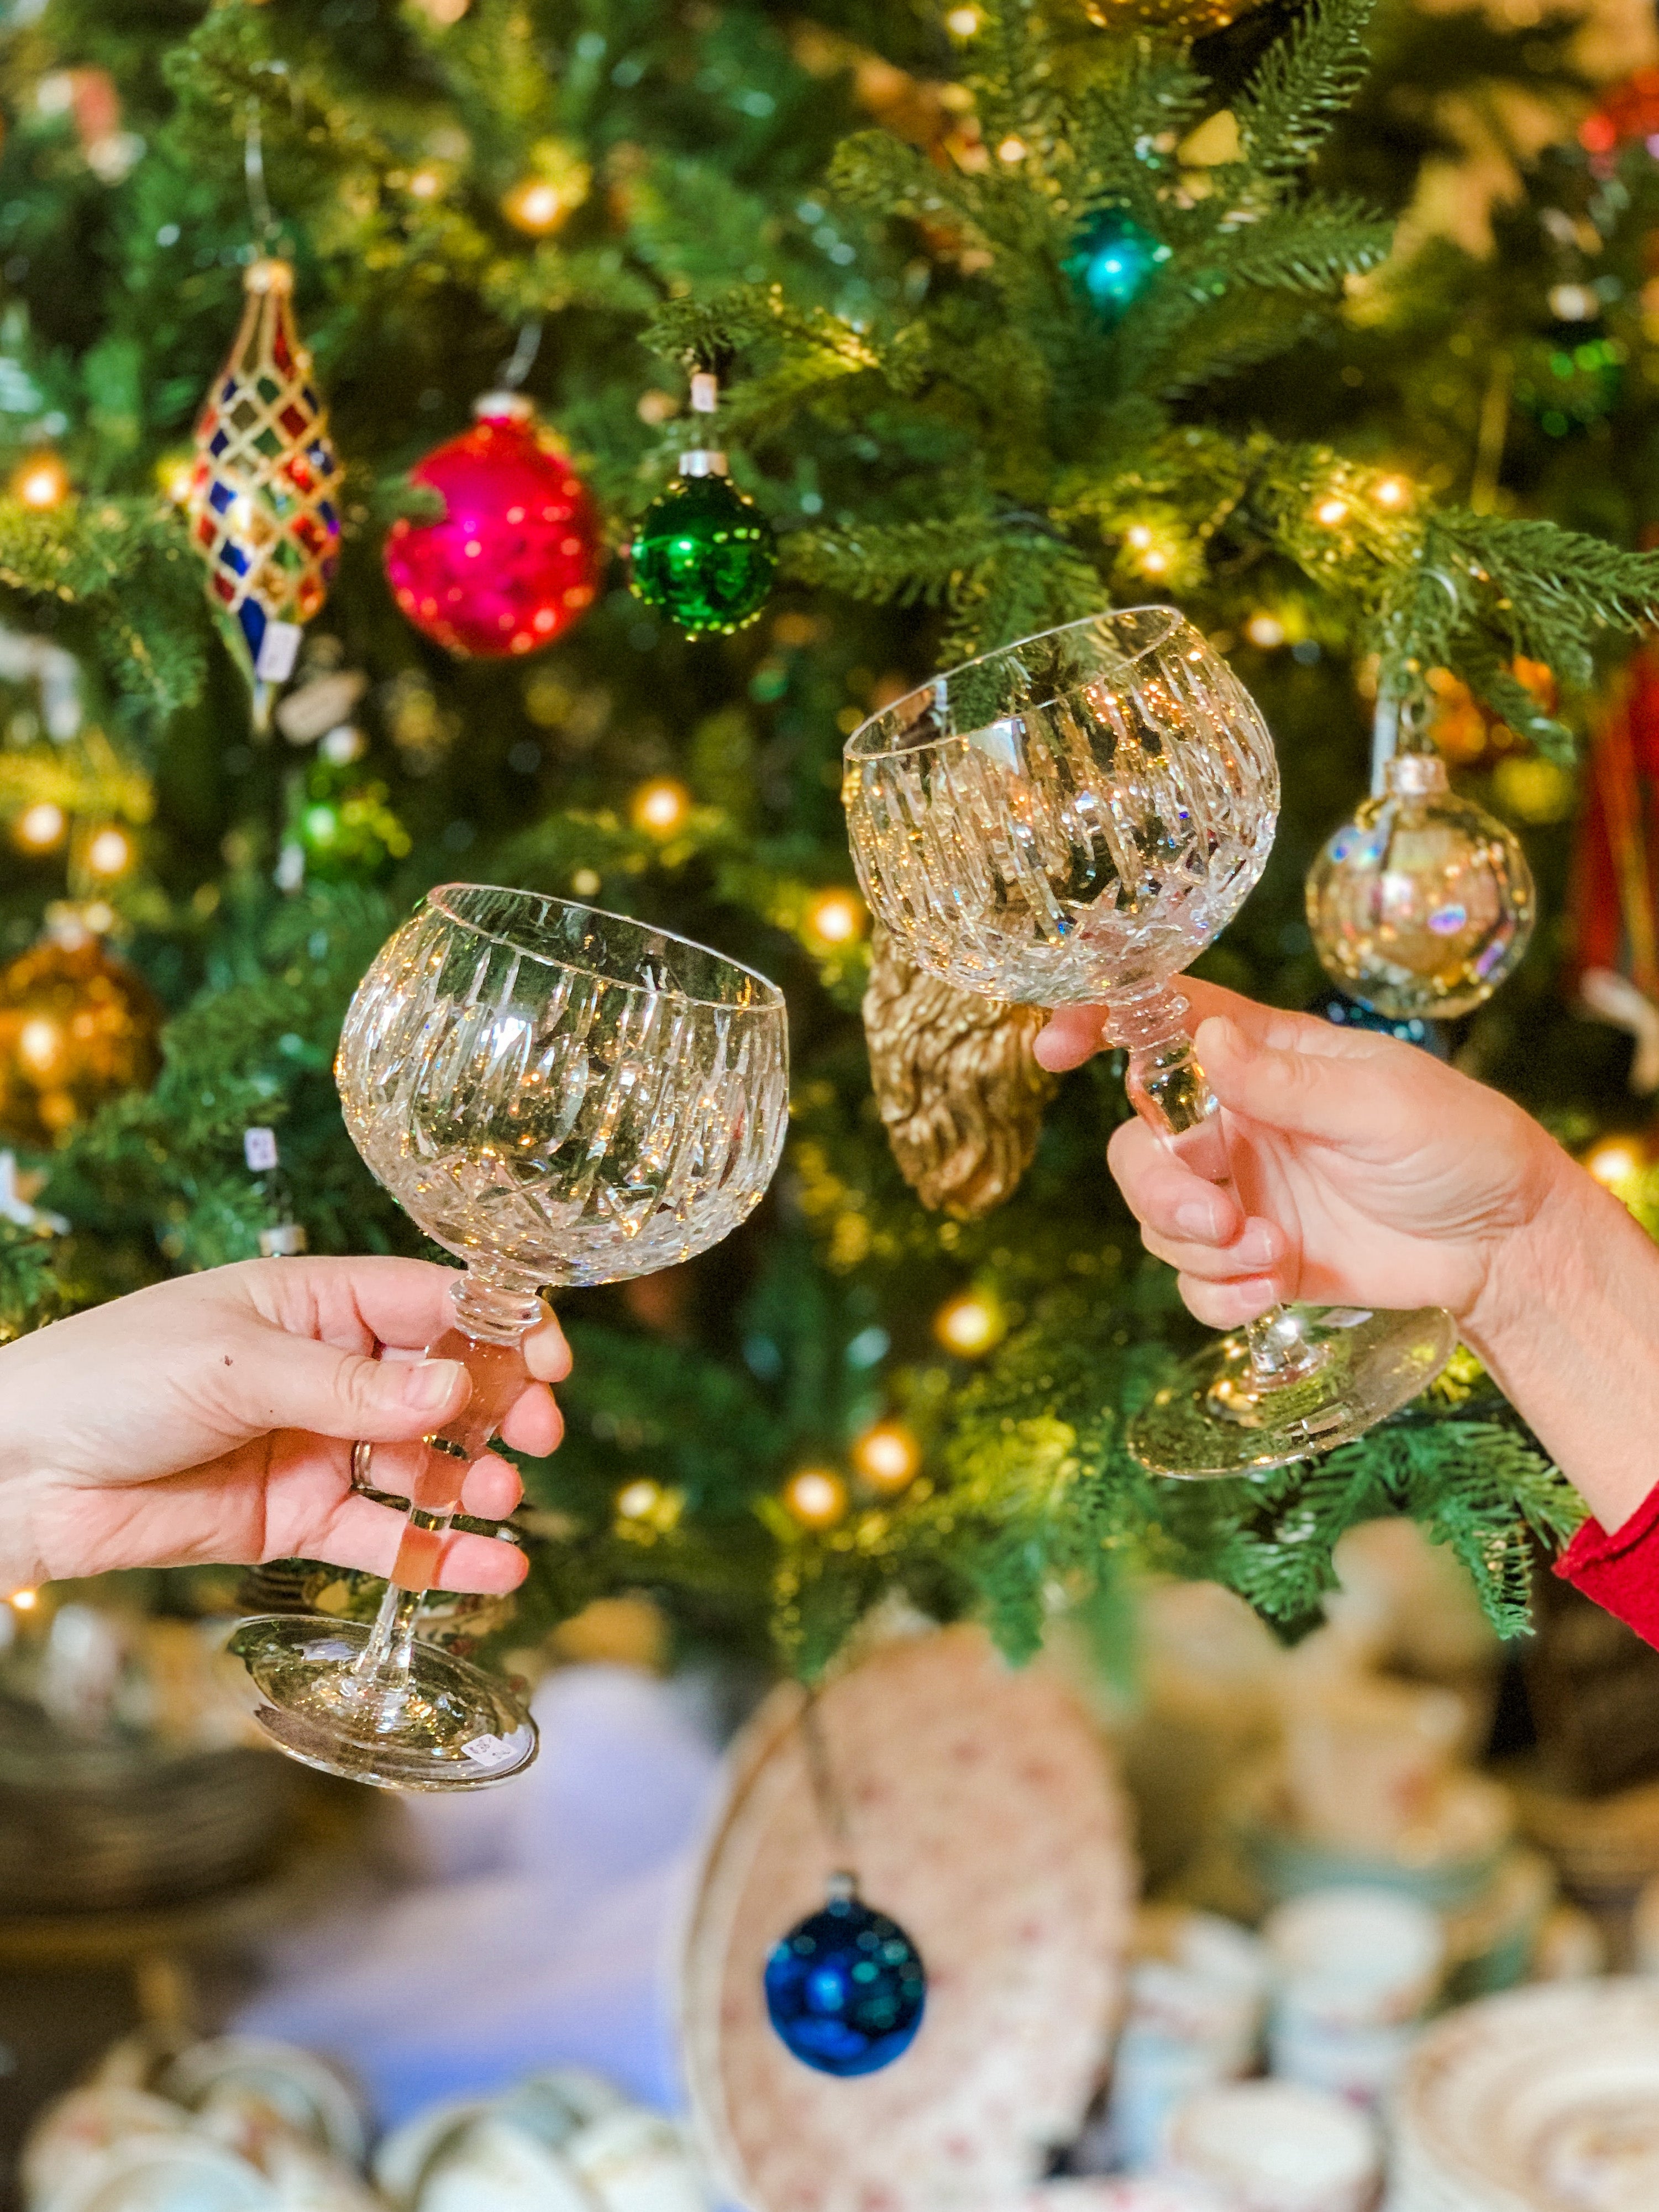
x: 557, y: 1096
x: 1073, y: 818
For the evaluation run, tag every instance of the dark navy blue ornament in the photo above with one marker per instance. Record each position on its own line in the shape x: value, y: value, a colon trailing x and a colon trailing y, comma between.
x: 846, y: 1986
x: 1348, y: 1013
x: 1111, y: 264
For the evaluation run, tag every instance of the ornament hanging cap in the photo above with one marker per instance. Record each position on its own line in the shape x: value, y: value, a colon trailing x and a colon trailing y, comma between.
x: 269, y: 273
x: 704, y: 460
x: 504, y: 407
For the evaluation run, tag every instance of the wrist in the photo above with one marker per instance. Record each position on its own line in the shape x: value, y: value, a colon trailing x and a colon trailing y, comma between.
x: 1540, y: 1256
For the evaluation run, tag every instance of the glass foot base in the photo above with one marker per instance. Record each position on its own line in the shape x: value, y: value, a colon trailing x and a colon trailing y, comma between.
x: 449, y: 1726
x: 1211, y: 1421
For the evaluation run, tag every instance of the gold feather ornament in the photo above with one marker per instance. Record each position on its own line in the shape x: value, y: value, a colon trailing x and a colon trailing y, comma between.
x: 959, y: 1093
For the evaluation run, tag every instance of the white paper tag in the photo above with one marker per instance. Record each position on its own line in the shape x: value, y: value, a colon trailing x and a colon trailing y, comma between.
x: 484, y: 1750
x: 260, y: 1150
x: 279, y: 648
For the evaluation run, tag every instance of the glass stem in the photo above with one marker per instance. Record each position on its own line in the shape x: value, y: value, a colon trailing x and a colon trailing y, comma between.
x: 1171, y: 1093
x: 492, y: 1318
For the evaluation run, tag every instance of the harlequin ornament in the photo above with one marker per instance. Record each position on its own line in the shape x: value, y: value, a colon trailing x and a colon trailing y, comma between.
x: 77, y: 1027
x: 1423, y: 902
x: 262, y: 497
x: 1346, y: 1013
x: 1111, y: 263
x: 845, y: 1988
x: 516, y: 559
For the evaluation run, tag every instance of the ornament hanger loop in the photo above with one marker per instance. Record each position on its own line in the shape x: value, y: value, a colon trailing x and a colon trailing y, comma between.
x: 826, y: 1794
x: 266, y: 228
x: 519, y: 363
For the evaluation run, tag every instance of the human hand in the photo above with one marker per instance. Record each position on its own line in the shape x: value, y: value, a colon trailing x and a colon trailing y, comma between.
x: 211, y: 1418
x: 1367, y: 1173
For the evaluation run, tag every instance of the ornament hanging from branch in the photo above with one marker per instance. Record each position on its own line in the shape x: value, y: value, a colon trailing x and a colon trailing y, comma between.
x: 704, y: 552
x: 77, y: 1027
x: 1423, y: 903
x: 263, y: 498
x: 959, y: 1093
x: 516, y: 559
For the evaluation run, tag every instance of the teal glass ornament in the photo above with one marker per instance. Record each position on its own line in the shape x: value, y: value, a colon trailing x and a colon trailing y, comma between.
x: 1111, y: 264
x: 704, y: 552
x: 1346, y: 1013
x: 845, y: 1987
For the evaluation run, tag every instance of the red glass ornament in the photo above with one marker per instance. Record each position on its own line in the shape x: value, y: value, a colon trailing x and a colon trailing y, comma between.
x: 517, y: 557
x: 1623, y: 112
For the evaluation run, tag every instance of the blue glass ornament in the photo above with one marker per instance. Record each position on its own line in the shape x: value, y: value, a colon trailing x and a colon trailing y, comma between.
x: 1349, y: 1014
x: 845, y: 1988
x: 1111, y: 263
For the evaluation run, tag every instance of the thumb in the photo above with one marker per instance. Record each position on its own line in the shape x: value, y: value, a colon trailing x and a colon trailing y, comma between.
x: 295, y: 1383
x: 1331, y: 1095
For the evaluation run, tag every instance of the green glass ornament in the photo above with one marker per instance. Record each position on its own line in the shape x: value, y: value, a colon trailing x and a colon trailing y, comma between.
x: 1111, y: 263
x: 1568, y: 383
x: 342, y: 825
x: 704, y: 552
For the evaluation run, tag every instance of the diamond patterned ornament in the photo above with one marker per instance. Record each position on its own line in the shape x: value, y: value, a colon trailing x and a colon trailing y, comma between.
x: 263, y: 501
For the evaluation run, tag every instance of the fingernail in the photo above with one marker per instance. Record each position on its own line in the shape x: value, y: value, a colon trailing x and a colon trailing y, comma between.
x: 430, y: 1384
x: 1233, y: 1039
x: 1196, y: 1218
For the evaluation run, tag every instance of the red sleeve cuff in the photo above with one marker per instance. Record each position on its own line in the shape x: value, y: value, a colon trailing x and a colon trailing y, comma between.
x: 1620, y: 1572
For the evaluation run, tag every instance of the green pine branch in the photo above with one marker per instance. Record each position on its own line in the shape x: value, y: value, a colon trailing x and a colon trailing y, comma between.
x: 1305, y: 82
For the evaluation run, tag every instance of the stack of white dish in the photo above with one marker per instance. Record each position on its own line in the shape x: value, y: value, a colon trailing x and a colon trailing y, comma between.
x: 1544, y: 2099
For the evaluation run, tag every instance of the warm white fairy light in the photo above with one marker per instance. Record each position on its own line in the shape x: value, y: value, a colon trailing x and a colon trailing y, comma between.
x: 1330, y: 512
x: 835, y: 917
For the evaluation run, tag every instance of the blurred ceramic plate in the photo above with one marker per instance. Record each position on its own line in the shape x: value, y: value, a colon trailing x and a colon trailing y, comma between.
x: 985, y: 1818
x: 308, y: 2093
x: 159, y: 2173
x: 1545, y: 2100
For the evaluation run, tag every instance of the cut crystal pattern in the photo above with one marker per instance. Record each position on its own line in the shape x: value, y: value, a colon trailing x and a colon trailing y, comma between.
x: 1073, y: 817
x: 561, y: 1095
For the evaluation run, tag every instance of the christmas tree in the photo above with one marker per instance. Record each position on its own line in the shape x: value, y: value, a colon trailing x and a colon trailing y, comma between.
x: 999, y: 307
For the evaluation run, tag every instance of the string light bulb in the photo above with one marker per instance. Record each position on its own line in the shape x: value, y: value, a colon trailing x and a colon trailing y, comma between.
x: 815, y: 1496
x: 40, y: 1045
x: 887, y: 1456
x: 1393, y: 492
x: 1615, y: 1160
x: 1330, y: 512
x: 637, y: 1501
x: 660, y: 807
x: 556, y: 186
x: 24, y: 1601
x: 109, y: 852
x: 969, y: 1324
x: 41, y: 482
x: 836, y: 917
x: 1266, y: 631
x: 174, y: 472
x: 39, y: 827
x: 963, y: 22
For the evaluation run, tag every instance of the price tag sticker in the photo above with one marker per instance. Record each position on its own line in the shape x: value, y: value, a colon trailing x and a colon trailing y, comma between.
x: 485, y: 1750
x: 260, y: 1150
x: 279, y: 648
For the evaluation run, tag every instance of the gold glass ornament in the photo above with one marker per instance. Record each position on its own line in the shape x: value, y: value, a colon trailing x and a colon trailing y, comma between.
x: 77, y: 1027
x: 1184, y: 18
x: 1423, y: 902
x: 959, y: 1093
